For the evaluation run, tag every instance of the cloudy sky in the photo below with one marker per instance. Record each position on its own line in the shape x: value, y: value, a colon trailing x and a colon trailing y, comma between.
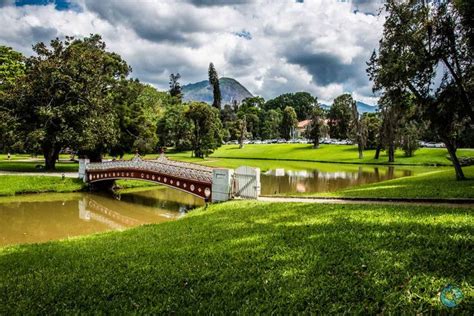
x: 270, y: 46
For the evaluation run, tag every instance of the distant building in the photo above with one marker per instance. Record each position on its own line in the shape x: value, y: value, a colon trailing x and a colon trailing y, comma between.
x: 302, y: 127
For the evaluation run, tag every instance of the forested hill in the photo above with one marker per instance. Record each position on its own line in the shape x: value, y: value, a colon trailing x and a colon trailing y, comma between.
x: 231, y: 90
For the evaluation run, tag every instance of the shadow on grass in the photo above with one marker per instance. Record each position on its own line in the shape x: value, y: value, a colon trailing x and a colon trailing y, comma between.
x: 253, y: 258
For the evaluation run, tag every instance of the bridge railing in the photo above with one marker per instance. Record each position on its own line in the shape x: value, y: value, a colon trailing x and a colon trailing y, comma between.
x: 163, y: 166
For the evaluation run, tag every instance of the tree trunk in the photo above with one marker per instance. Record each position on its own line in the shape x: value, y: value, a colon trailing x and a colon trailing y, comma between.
x: 391, y: 152
x: 457, y: 166
x: 51, y: 155
x: 377, y: 151
x: 361, y: 150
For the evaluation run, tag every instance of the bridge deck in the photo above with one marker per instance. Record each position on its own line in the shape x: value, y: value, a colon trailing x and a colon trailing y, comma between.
x: 162, y: 165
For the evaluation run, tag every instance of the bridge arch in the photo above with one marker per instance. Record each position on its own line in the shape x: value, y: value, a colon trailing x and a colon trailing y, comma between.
x: 187, y: 177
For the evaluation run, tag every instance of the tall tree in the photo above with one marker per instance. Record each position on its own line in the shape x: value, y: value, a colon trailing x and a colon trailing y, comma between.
x: 12, y: 67
x: 358, y: 130
x: 271, y: 123
x: 175, y: 88
x: 206, y: 128
x: 315, y: 131
x: 67, y: 97
x: 423, y: 41
x: 288, y: 122
x: 174, y: 129
x: 216, y: 90
x: 339, y: 116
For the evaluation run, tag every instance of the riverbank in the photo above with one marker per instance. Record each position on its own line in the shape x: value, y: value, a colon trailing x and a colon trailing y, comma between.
x: 17, y: 184
x: 253, y: 257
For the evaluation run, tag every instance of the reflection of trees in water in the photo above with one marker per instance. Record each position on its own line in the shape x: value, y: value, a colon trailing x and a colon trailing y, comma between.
x: 322, y: 181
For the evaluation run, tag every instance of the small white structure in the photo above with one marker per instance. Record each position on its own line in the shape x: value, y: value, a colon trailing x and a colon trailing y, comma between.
x: 222, y: 184
x: 82, y: 168
x: 247, y: 182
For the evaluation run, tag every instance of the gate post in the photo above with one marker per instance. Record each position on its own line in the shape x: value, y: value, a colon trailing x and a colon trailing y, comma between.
x: 221, y: 184
x: 82, y: 168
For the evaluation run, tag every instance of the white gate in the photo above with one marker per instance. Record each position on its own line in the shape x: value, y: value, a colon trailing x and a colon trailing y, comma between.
x: 247, y: 182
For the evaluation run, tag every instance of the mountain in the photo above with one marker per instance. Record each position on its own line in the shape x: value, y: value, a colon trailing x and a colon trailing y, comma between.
x: 231, y: 90
x: 361, y: 107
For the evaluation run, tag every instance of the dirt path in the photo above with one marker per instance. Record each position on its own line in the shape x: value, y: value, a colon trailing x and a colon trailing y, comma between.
x: 427, y: 202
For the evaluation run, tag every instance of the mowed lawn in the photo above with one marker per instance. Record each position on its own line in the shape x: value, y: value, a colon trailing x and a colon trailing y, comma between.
x: 253, y: 257
x: 334, y: 153
x: 11, y: 185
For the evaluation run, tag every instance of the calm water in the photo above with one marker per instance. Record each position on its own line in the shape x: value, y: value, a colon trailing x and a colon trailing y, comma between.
x: 58, y: 216
x: 281, y: 181
x: 43, y: 217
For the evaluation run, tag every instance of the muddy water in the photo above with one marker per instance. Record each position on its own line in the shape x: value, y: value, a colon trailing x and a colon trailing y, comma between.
x: 284, y: 182
x: 45, y: 217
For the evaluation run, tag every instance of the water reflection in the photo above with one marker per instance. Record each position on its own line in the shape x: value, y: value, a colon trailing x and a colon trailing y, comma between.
x: 281, y: 181
x: 70, y: 215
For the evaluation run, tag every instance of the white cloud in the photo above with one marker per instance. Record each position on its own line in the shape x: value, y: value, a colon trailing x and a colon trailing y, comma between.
x: 318, y: 46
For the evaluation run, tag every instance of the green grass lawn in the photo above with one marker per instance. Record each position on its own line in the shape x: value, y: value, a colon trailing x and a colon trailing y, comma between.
x: 329, y: 153
x: 30, y: 166
x: 11, y: 185
x: 252, y: 258
x: 433, y: 184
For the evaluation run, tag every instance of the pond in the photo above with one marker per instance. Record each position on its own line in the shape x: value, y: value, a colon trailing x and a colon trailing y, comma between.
x: 43, y: 217
x: 281, y: 181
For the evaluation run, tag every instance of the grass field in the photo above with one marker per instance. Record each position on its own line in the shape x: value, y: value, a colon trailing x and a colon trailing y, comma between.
x: 251, y: 258
x: 30, y: 166
x: 330, y: 153
x: 11, y: 185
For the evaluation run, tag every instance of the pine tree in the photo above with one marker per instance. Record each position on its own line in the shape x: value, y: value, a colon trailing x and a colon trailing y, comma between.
x: 175, y: 87
x: 214, y: 82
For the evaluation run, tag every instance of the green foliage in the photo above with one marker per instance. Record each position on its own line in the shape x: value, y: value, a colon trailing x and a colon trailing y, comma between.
x: 216, y: 90
x: 11, y: 185
x: 175, y: 88
x: 358, y: 130
x: 271, y: 126
x: 339, y: 117
x: 315, y: 130
x: 174, y: 129
x: 206, y: 128
x: 138, y: 116
x: 253, y: 257
x: 288, y: 122
x: 12, y: 67
x: 409, y: 138
x: 301, y: 102
x: 67, y: 96
x: 422, y: 41
x: 373, y: 123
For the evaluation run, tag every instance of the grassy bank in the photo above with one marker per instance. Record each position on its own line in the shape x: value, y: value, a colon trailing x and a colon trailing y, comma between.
x: 252, y: 257
x: 328, y: 153
x: 31, y: 166
x: 11, y: 185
